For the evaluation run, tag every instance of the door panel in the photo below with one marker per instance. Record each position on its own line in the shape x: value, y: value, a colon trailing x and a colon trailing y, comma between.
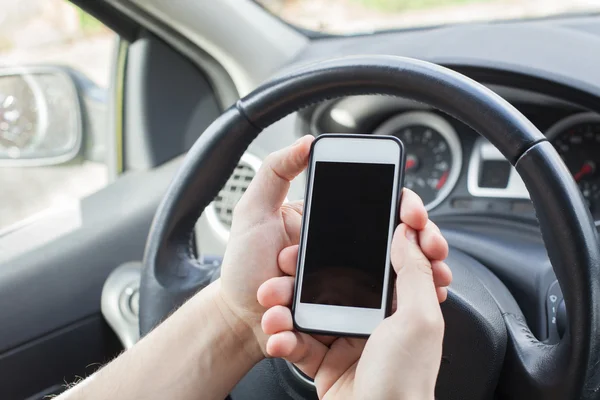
x: 77, y: 350
x: 51, y: 296
x: 51, y: 327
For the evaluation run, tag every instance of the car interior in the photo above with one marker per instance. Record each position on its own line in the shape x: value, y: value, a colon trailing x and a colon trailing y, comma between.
x: 501, y: 125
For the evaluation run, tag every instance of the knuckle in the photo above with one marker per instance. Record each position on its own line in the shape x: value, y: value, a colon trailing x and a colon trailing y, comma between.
x: 437, y: 234
x: 433, y: 230
x: 400, y: 229
x: 398, y: 237
x: 274, y: 163
x: 430, y: 228
x: 288, y: 208
x: 269, y: 161
x: 297, y: 206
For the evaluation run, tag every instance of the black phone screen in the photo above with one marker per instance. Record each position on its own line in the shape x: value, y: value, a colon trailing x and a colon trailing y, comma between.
x: 348, y: 232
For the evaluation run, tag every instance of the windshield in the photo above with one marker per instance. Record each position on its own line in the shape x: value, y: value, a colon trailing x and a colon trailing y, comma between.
x: 360, y: 16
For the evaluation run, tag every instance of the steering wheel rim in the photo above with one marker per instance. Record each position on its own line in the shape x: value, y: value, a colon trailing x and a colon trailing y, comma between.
x: 171, y: 273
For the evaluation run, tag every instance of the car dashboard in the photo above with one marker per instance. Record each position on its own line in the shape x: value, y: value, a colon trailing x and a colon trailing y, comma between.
x: 452, y: 168
x: 466, y: 184
x: 456, y: 172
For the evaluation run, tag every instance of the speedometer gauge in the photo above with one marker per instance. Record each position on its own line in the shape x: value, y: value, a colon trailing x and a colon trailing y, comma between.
x: 433, y: 153
x: 577, y: 140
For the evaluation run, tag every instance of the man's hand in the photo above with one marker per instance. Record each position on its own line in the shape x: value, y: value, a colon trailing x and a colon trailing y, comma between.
x: 401, y: 359
x: 262, y: 227
x: 207, y: 345
x: 213, y: 340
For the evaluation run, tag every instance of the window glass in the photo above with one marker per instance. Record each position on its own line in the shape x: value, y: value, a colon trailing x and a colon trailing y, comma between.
x: 363, y: 16
x: 56, y: 63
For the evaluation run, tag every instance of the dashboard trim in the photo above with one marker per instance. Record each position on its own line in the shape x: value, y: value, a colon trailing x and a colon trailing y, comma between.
x: 485, y: 151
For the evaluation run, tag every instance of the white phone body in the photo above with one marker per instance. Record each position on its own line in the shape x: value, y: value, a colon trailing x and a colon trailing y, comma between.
x: 348, y: 299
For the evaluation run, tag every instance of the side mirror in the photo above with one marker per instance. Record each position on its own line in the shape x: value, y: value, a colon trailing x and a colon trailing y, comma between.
x: 43, y: 114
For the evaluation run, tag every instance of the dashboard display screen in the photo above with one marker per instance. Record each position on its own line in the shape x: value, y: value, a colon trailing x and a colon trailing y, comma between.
x: 348, y: 233
x: 494, y: 174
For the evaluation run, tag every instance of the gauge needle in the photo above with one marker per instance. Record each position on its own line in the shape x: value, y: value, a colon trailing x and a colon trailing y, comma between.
x: 442, y: 181
x: 411, y: 162
x: 586, y: 169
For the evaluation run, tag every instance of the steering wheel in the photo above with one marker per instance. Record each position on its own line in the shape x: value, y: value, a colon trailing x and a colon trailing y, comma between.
x: 488, y: 347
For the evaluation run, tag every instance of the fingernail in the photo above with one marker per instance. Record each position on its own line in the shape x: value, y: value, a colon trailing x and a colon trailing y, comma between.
x: 411, y: 235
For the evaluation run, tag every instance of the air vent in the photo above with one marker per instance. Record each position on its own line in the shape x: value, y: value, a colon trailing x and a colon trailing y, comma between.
x: 222, y: 207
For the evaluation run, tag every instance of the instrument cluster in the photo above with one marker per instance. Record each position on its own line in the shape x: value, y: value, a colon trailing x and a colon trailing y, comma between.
x: 441, y: 152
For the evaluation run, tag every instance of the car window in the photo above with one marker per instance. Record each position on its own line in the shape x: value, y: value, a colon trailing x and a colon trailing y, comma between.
x: 56, y: 63
x: 366, y: 16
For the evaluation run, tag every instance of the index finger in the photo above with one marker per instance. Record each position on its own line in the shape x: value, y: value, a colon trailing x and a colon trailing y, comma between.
x: 412, y: 210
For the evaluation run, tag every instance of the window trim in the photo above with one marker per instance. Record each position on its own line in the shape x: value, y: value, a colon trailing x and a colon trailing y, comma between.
x: 128, y: 20
x: 117, y: 111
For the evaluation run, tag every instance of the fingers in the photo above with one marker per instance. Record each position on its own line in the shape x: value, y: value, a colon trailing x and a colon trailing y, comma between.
x: 301, y: 349
x: 442, y: 275
x: 414, y: 271
x: 413, y: 214
x: 412, y: 210
x: 279, y: 291
x: 288, y: 260
x: 297, y: 206
x: 432, y: 242
x: 418, y: 297
x: 345, y: 352
x: 276, y: 292
x: 442, y: 294
x: 277, y: 319
x: 298, y: 348
x: 406, y: 253
x: 269, y: 187
x: 292, y: 221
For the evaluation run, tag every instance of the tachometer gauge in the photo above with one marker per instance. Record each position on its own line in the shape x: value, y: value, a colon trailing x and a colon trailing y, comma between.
x: 433, y: 153
x: 577, y: 140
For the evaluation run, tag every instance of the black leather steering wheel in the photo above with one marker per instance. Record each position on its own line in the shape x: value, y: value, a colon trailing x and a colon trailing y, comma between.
x: 488, y: 347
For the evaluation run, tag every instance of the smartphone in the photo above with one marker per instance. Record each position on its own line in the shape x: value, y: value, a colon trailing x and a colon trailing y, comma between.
x: 344, y: 279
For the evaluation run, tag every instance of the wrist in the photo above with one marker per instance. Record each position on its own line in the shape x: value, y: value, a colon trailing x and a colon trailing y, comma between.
x: 242, y: 332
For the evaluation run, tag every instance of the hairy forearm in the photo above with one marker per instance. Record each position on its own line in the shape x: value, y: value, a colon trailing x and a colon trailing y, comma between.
x: 200, y: 352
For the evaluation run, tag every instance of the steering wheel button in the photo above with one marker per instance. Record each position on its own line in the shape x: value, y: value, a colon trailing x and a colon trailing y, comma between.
x: 553, y: 300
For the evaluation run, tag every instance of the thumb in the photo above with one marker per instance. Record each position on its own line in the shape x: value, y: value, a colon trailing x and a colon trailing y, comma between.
x: 269, y: 187
x: 414, y: 282
x: 412, y: 337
